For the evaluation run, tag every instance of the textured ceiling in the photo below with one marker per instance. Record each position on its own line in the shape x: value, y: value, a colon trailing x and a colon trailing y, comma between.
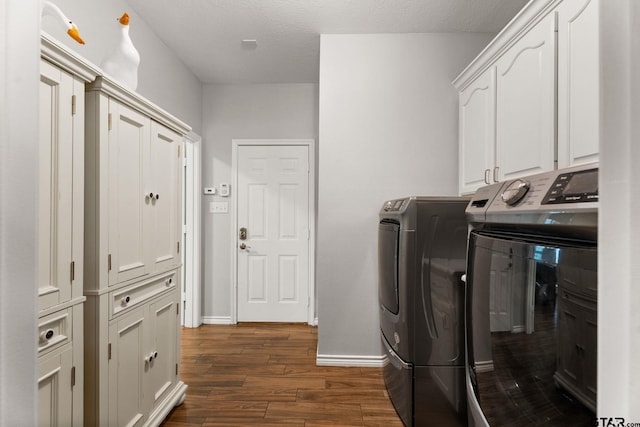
x: 207, y: 34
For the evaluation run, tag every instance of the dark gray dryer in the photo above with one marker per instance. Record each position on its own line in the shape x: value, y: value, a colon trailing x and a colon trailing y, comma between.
x: 421, y: 257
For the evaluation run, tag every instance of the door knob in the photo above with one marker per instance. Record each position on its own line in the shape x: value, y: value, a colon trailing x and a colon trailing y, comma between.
x: 243, y: 246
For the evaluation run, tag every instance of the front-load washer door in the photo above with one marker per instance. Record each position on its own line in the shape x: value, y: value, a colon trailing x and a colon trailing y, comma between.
x: 532, y: 329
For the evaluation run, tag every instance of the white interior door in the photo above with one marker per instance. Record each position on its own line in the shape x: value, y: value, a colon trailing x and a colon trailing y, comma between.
x: 273, y: 259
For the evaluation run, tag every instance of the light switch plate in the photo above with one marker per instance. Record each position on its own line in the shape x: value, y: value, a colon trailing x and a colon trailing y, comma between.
x: 210, y: 190
x: 218, y: 207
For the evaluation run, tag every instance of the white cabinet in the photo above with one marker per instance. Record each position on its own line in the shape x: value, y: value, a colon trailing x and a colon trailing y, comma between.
x: 55, y: 395
x: 142, y: 174
x: 132, y: 258
x: 128, y: 218
x: 60, y: 367
x: 477, y: 132
x: 525, y: 107
x: 165, y: 170
x: 529, y: 101
x: 60, y: 234
x: 127, y: 366
x: 578, y: 82
x: 61, y: 184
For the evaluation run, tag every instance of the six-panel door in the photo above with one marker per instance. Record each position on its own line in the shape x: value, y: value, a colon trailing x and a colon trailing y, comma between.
x: 273, y: 206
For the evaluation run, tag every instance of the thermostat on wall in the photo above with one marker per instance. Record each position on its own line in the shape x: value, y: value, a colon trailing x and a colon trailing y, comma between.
x: 224, y: 189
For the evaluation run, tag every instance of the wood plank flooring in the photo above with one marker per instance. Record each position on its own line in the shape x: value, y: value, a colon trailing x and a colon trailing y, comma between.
x: 265, y: 374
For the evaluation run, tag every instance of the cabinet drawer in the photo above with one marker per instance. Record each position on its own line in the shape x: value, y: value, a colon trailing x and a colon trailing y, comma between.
x: 54, y: 330
x: 124, y: 299
x: 567, y: 298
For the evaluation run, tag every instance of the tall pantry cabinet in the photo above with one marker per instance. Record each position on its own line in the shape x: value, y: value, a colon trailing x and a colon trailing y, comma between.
x: 132, y: 258
x: 60, y: 234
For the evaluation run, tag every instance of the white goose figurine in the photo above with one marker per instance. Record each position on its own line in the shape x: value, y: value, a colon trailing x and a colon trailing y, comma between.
x: 51, y: 9
x: 122, y: 62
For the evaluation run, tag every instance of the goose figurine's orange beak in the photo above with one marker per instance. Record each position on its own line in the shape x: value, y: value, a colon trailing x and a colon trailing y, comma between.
x: 124, y: 19
x: 74, y: 34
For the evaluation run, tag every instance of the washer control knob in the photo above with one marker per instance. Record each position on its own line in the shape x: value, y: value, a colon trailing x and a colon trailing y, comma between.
x: 515, y: 191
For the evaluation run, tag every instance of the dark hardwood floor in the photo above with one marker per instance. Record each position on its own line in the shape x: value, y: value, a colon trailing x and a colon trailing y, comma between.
x: 265, y: 374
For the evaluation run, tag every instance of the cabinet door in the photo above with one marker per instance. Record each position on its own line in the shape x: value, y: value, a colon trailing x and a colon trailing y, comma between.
x: 128, y: 193
x: 163, y: 317
x: 165, y: 181
x: 525, y: 82
x: 127, y: 370
x: 477, y: 132
x: 55, y: 392
x: 578, y: 82
x: 569, y: 356
x: 55, y: 198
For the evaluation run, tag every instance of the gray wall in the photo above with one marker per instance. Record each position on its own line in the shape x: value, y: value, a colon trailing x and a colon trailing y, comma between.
x: 19, y: 51
x: 162, y: 77
x: 241, y: 112
x: 388, y: 129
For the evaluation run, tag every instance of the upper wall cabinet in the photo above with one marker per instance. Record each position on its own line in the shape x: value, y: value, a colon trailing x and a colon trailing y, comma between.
x: 530, y: 100
x: 525, y: 106
x: 477, y: 132
x: 578, y: 77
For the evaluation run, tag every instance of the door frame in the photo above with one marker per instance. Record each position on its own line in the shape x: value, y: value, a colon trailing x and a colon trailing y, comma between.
x: 191, y: 293
x: 310, y: 143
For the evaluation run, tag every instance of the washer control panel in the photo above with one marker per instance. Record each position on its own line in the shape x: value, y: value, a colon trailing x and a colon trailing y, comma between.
x: 393, y: 205
x: 573, y: 187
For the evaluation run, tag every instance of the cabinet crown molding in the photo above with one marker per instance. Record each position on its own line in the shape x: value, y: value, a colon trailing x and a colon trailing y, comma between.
x: 97, y: 80
x: 60, y: 55
x: 105, y: 84
x: 529, y: 16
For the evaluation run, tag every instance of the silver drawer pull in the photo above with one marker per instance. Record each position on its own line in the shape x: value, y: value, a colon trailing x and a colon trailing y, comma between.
x: 46, y: 335
x: 126, y: 300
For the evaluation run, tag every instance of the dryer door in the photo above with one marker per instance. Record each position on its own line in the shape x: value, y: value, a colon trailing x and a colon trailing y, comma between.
x: 388, y: 249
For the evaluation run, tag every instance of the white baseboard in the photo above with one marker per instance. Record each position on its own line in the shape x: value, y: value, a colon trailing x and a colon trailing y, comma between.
x: 355, y: 361
x: 217, y: 320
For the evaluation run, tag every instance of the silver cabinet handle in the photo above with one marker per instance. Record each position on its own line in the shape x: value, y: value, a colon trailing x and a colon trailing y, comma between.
x: 46, y: 335
x: 486, y: 176
x: 495, y: 174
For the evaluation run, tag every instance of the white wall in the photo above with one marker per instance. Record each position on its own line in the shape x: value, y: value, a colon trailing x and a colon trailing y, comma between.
x: 619, y: 228
x: 241, y: 112
x: 388, y: 129
x: 19, y: 50
x: 162, y: 77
